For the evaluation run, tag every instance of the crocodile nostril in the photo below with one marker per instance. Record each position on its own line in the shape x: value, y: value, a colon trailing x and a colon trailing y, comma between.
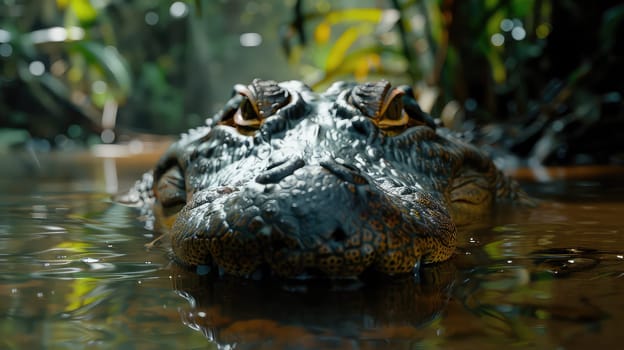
x: 345, y: 172
x: 276, y: 172
x: 361, y: 126
x: 277, y: 163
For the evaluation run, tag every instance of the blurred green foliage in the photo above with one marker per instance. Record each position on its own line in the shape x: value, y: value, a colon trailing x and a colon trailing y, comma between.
x: 70, y: 69
x: 86, y: 66
x: 60, y: 67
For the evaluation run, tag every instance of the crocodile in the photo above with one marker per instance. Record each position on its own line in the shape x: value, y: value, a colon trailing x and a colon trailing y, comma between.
x: 337, y: 183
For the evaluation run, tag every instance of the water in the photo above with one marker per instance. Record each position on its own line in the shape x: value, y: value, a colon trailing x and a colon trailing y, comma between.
x: 74, y: 273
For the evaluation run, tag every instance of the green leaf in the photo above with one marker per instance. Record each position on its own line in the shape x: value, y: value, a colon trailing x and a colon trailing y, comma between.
x: 109, y: 59
x: 522, y: 8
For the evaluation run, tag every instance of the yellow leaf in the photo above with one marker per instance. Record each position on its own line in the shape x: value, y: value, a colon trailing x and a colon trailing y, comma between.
x: 355, y: 15
x: 76, y: 247
x: 494, y: 249
x: 83, y: 10
x: 322, y: 33
x: 340, y: 48
x: 82, y: 294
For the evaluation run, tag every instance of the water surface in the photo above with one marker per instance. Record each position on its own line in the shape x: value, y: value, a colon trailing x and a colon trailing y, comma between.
x: 74, y: 273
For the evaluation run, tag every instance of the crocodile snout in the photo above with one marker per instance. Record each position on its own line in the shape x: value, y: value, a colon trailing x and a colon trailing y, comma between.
x: 300, y: 219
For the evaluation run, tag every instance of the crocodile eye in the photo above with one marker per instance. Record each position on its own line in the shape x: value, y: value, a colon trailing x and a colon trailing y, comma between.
x: 247, y: 115
x: 383, y: 104
x: 393, y: 110
x: 260, y: 100
x: 392, y: 114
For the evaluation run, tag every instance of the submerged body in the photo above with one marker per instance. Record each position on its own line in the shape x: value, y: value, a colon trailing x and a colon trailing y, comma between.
x: 353, y: 179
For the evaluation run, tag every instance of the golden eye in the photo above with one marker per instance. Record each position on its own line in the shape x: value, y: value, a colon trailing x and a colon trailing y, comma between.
x: 380, y: 102
x: 391, y: 114
x: 260, y: 100
x: 247, y: 114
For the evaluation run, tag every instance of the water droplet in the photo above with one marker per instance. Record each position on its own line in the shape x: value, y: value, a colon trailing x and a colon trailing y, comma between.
x: 36, y: 68
x: 6, y: 50
x: 518, y: 33
x: 151, y: 18
x: 506, y: 25
x: 497, y: 39
x: 178, y: 9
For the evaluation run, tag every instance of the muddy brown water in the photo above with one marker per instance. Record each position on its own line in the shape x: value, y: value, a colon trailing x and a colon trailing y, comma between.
x: 74, y: 273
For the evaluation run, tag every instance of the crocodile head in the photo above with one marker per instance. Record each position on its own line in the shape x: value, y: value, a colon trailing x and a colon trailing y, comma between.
x: 337, y: 183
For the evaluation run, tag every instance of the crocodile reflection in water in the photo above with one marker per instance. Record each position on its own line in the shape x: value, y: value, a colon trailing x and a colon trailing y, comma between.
x: 338, y: 183
x: 233, y: 313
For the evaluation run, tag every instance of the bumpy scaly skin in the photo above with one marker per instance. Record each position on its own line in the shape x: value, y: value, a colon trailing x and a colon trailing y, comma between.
x: 337, y: 183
